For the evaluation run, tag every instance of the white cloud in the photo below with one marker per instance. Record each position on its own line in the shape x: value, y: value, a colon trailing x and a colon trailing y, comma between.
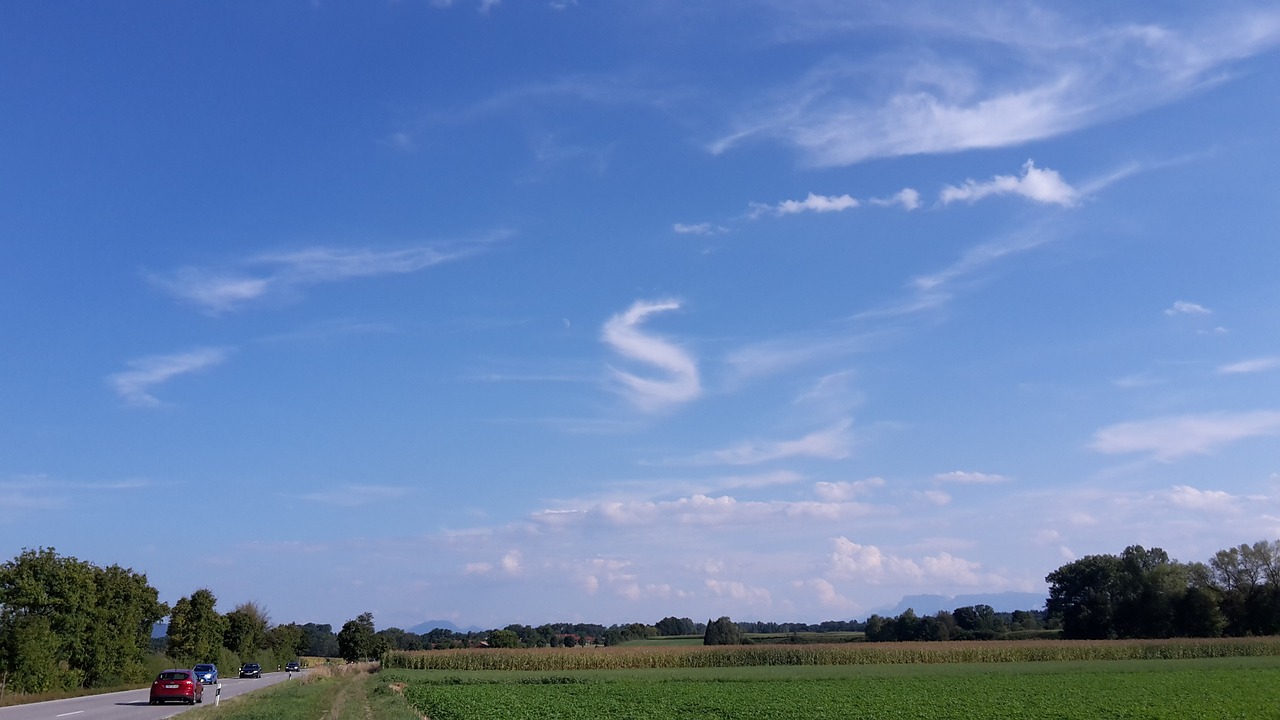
x: 969, y: 478
x: 1044, y: 186
x: 739, y: 591
x: 817, y: 203
x: 1169, y: 438
x: 936, y: 497
x: 699, y: 510
x: 869, y: 564
x: 1183, y: 307
x: 356, y: 495
x: 833, y: 443
x: 221, y: 290
x: 622, y: 333
x: 1040, y: 75
x: 908, y: 198
x: 845, y: 490
x: 134, y: 385
x: 510, y: 563
x: 704, y: 228
x: 1250, y: 366
x: 1187, y: 497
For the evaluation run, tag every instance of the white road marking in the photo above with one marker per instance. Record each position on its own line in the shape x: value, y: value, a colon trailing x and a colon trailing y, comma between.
x: 69, y: 714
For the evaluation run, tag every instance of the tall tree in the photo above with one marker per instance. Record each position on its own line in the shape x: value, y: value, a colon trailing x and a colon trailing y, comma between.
x: 722, y: 632
x: 65, y: 623
x: 195, y: 628
x: 358, y: 640
x: 1083, y: 593
x: 245, y: 630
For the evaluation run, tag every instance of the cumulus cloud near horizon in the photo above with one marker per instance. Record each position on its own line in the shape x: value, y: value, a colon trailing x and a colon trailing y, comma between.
x: 623, y: 333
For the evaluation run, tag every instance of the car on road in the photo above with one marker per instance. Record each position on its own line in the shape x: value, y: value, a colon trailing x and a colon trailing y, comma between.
x: 175, y: 684
x: 251, y: 670
x: 206, y: 673
x: 292, y: 666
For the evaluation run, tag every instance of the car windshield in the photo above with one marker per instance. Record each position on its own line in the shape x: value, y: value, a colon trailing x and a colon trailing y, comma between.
x: 203, y: 668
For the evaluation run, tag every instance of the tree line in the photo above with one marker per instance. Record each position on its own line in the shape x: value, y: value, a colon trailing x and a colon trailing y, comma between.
x: 1142, y: 593
x: 68, y: 624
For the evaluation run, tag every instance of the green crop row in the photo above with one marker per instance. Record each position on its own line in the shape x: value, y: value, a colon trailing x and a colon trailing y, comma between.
x: 1205, y: 690
x: 635, y: 658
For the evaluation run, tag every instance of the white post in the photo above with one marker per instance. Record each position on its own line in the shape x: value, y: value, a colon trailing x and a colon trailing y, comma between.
x: 217, y: 693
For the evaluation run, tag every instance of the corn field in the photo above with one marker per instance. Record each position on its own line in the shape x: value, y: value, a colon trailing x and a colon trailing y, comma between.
x: 638, y: 658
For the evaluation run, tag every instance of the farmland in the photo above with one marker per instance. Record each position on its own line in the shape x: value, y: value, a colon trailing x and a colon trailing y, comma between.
x: 1031, y: 679
x: 1232, y: 687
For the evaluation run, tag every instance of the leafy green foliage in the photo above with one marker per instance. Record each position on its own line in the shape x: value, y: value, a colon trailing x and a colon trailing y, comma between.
x: 67, y: 624
x: 196, y: 630
x: 722, y: 632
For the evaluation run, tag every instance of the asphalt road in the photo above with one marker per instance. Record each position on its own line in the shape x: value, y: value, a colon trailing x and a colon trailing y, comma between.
x: 130, y: 704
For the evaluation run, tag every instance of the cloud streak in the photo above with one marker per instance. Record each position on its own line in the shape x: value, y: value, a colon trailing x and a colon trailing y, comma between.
x: 832, y: 443
x: 1170, y: 438
x: 1067, y: 77
x: 219, y: 290
x: 623, y: 334
x: 135, y: 384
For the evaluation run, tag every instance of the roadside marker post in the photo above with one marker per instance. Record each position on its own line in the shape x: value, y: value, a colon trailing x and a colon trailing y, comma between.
x: 217, y: 693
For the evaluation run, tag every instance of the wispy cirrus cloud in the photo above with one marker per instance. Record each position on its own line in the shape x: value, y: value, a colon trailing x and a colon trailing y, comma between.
x: 1170, y: 438
x: 703, y: 228
x: 135, y: 384
x: 970, y: 478
x: 623, y: 334
x: 1040, y: 75
x: 356, y: 495
x: 218, y: 290
x: 1254, y: 365
x: 1038, y: 184
x: 1182, y: 307
x: 831, y: 443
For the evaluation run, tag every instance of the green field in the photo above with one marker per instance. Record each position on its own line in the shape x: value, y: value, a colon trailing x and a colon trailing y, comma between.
x: 1240, y: 687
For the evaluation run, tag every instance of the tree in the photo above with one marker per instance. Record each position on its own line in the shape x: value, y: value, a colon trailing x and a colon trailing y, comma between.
x: 358, y: 641
x: 287, y: 641
x: 321, y: 640
x: 1083, y: 593
x: 245, y: 630
x: 722, y: 632
x: 195, y: 628
x: 675, y: 626
x: 65, y: 623
x: 503, y: 639
x: 1248, y: 580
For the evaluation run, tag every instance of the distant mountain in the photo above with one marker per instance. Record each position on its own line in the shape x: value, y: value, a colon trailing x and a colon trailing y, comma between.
x: 428, y: 626
x: 1000, y: 602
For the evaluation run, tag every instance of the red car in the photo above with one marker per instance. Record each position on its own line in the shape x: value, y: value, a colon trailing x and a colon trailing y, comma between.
x: 177, y: 685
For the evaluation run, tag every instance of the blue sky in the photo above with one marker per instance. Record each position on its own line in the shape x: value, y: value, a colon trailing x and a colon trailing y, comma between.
x: 580, y: 311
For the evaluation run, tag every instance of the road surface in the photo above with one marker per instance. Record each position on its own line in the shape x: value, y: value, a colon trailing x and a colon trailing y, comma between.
x: 130, y: 704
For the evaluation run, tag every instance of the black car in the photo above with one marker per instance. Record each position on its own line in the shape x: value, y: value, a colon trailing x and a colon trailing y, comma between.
x: 251, y: 670
x: 292, y: 667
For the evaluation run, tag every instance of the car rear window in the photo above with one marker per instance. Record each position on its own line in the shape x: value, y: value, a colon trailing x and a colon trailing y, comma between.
x: 173, y: 676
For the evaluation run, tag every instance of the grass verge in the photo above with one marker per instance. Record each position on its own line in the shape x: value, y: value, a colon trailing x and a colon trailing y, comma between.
x: 345, y: 692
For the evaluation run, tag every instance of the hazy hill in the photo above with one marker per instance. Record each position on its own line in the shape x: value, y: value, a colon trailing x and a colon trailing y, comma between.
x: 1000, y: 602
